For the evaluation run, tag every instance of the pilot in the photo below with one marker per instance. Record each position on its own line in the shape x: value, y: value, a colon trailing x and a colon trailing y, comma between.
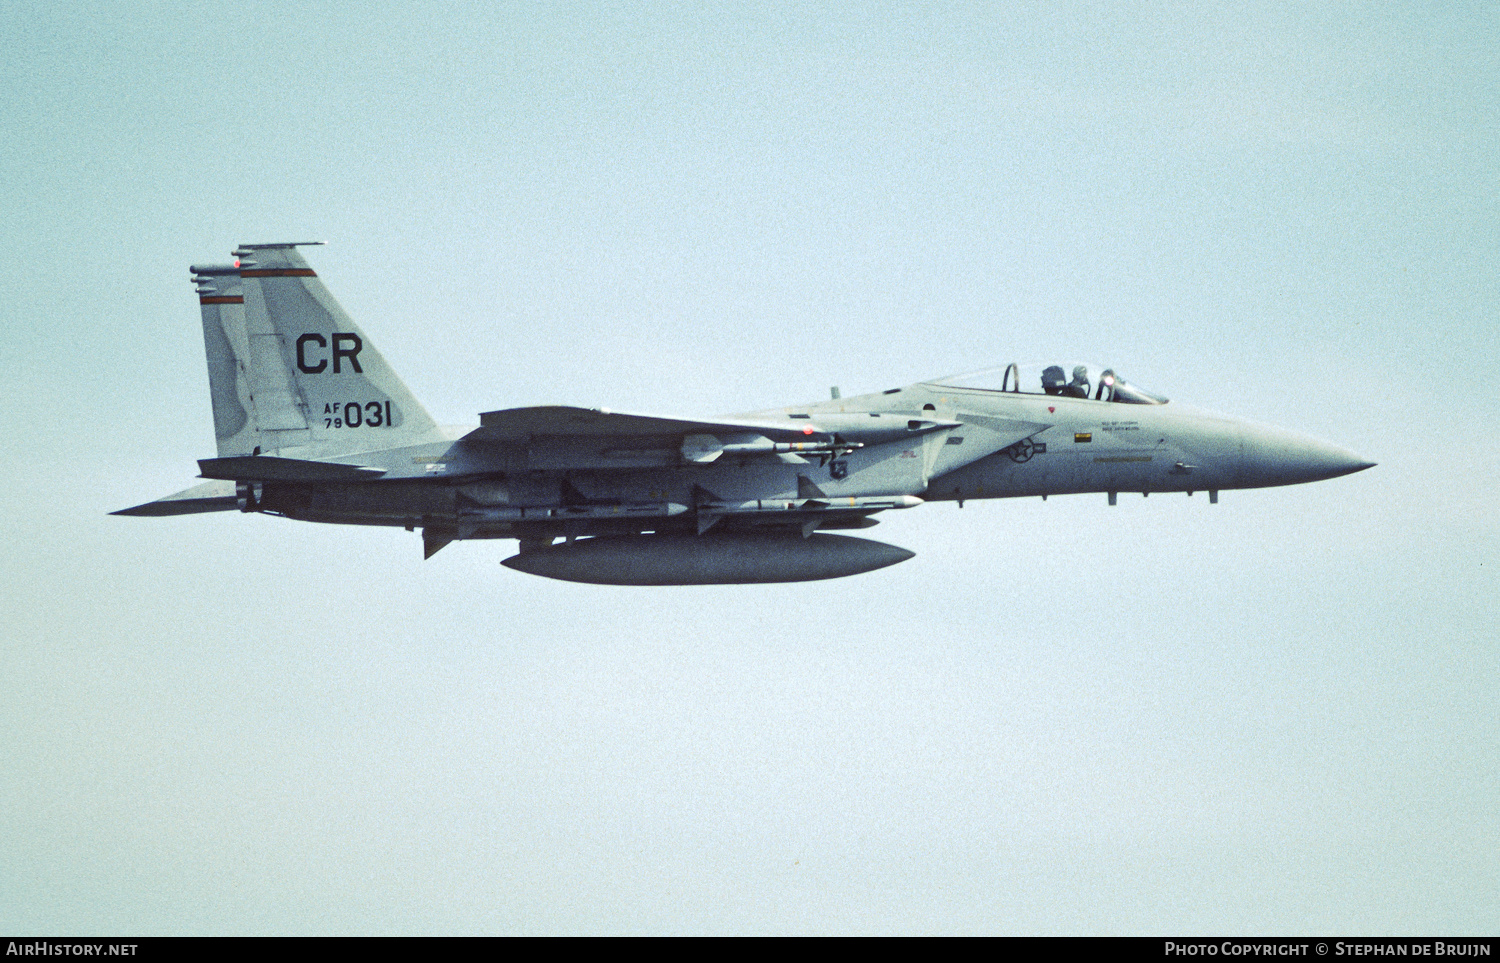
x: 1079, y: 386
x: 1052, y: 380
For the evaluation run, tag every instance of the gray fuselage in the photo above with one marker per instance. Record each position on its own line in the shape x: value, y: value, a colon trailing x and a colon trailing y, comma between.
x: 929, y: 440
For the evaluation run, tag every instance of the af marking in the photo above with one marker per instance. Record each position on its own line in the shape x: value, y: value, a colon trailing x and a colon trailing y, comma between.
x: 354, y: 414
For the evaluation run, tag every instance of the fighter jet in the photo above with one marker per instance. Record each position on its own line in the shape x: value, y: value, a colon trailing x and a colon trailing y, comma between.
x: 313, y: 424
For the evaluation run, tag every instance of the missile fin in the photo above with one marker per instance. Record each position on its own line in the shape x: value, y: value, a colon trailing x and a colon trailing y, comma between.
x: 433, y: 540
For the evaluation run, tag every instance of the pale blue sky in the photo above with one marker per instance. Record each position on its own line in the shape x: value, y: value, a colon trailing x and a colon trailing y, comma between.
x: 1271, y: 715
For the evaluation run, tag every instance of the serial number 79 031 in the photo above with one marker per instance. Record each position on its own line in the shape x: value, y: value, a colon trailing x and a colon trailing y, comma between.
x: 354, y: 414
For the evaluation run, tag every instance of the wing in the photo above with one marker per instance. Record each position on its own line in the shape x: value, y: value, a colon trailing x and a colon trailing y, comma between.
x: 272, y: 468
x: 519, y: 424
x: 559, y: 437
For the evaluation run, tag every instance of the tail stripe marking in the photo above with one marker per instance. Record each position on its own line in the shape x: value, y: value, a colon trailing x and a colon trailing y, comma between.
x: 278, y: 273
x: 223, y: 299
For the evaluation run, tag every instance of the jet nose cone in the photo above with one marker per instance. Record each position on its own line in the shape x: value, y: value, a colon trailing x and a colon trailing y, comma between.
x: 1277, y: 457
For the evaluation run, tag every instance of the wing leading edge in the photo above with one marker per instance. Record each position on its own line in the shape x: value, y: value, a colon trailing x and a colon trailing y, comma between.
x: 516, y: 424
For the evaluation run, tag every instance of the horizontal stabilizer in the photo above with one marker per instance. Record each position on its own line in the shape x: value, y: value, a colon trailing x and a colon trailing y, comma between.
x: 272, y: 468
x: 214, y: 496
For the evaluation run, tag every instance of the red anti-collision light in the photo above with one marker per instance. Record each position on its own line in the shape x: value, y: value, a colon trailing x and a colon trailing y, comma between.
x: 807, y: 430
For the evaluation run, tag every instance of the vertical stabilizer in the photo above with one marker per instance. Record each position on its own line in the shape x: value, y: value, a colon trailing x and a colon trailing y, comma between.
x: 288, y: 369
x: 223, y: 305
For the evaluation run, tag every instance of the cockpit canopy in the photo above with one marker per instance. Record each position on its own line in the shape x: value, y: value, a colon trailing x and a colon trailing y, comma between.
x: 1063, y: 380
